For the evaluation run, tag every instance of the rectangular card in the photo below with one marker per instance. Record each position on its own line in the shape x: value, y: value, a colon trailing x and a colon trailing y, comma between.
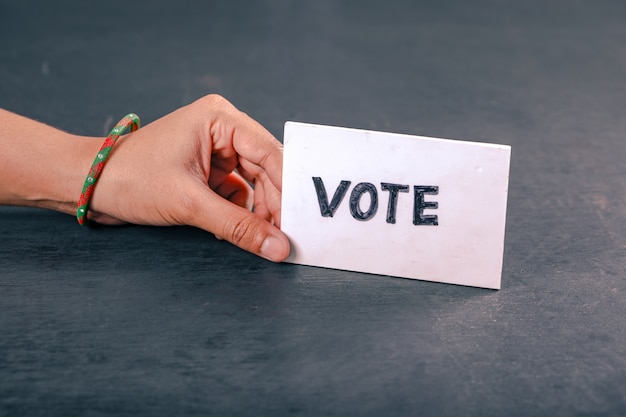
x: 393, y: 204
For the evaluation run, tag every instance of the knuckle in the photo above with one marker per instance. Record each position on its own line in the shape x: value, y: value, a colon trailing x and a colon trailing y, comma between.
x: 215, y: 101
x: 240, y: 231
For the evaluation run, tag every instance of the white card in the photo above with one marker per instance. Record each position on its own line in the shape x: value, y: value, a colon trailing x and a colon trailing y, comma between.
x: 393, y: 204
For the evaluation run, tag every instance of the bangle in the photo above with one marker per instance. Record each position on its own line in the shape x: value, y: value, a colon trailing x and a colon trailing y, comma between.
x: 129, y: 121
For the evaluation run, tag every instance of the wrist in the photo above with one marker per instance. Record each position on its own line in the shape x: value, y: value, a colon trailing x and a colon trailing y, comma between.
x: 68, y: 173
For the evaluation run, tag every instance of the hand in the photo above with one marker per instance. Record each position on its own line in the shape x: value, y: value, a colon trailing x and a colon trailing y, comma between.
x: 192, y: 167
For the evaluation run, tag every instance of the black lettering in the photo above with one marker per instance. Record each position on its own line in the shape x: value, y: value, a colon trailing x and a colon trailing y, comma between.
x: 355, y: 199
x: 328, y: 210
x: 393, y: 198
x: 419, y: 205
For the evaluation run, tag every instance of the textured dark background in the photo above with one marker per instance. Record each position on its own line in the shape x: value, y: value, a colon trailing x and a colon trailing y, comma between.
x: 169, y: 321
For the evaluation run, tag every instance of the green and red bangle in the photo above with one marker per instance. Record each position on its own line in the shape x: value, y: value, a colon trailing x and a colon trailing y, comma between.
x: 129, y: 121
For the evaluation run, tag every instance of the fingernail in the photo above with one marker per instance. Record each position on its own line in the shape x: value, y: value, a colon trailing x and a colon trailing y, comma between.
x: 273, y: 249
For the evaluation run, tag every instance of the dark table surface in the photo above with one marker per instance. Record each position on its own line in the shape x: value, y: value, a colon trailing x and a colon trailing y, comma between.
x: 170, y: 321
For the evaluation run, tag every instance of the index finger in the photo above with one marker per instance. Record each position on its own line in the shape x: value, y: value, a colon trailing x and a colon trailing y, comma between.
x: 234, y: 133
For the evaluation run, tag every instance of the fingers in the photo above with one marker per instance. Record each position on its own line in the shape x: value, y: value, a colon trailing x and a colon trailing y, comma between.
x: 239, y: 226
x: 236, y: 190
x: 235, y: 133
x: 258, y: 153
x: 267, y: 201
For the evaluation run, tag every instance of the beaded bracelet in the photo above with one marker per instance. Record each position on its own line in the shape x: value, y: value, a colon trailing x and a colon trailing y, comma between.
x: 129, y: 121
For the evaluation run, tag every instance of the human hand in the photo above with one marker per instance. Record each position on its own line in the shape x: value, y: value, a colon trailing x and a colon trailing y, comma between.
x: 192, y: 167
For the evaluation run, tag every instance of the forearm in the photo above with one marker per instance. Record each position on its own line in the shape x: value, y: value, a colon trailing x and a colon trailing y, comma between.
x: 41, y: 166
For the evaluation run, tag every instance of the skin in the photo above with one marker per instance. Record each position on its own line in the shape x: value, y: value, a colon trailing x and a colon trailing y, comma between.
x: 191, y: 167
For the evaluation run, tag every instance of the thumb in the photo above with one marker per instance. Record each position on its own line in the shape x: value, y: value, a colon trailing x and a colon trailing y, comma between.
x: 241, y: 227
